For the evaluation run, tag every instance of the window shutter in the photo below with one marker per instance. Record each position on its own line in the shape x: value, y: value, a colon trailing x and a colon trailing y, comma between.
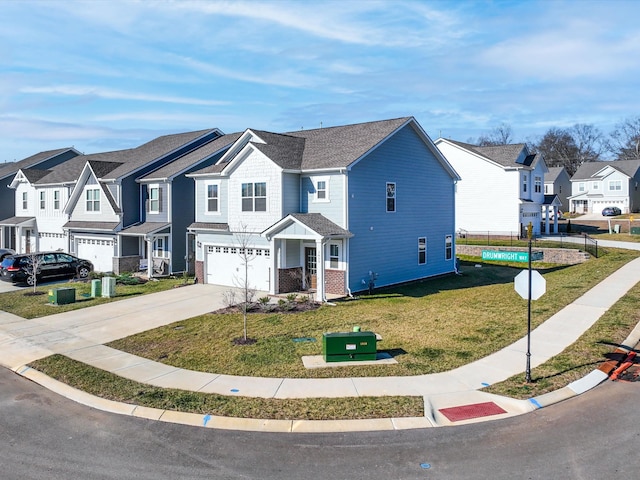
x: 159, y: 198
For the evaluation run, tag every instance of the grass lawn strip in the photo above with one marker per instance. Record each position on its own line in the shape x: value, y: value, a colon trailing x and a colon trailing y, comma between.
x: 109, y: 386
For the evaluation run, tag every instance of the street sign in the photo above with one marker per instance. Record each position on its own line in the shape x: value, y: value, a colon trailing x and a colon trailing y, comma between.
x: 502, y: 256
x: 538, y: 284
x: 536, y: 256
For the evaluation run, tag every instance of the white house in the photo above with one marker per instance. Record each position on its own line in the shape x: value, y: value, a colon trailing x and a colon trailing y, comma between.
x: 558, y: 182
x: 501, y: 190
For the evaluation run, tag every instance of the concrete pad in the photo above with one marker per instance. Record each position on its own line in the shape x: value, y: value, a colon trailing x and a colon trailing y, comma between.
x: 417, y: 385
x: 316, y: 388
x: 16, y: 354
x: 411, y: 423
x: 596, y: 377
x: 261, y: 387
x: 317, y: 361
x: 183, y: 379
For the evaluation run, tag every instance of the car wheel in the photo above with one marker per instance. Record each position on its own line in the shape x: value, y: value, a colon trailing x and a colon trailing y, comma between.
x: 31, y: 280
x: 83, y: 272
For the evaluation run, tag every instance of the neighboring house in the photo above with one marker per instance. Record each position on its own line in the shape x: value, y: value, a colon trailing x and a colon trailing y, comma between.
x: 557, y: 182
x: 80, y: 206
x: 169, y: 209
x: 327, y: 210
x: 10, y: 221
x: 501, y: 190
x: 597, y: 185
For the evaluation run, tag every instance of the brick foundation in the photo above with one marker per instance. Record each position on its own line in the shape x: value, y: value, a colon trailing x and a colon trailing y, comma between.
x: 126, y: 264
x: 334, y: 282
x: 200, y: 271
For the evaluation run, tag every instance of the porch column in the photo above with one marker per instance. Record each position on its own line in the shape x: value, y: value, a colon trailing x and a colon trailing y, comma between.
x: 149, y: 257
x: 555, y: 219
x: 546, y: 221
x: 276, y: 253
x: 320, y: 270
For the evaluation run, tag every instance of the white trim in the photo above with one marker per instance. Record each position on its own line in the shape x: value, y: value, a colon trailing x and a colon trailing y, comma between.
x: 316, y: 185
x: 87, y: 188
x: 150, y: 188
x: 208, y: 183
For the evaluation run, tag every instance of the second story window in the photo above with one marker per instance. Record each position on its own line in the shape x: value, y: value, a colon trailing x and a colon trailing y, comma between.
x: 615, y: 185
x: 537, y: 184
x: 391, y: 197
x: 43, y: 202
x: 25, y: 202
x: 254, y: 197
x: 524, y: 183
x: 212, y: 198
x: 56, y: 199
x: 93, y: 199
x: 154, y: 198
x: 581, y: 187
x: 322, y: 189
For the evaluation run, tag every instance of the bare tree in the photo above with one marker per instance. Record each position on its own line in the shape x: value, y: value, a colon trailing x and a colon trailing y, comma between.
x: 570, y: 147
x: 589, y: 141
x: 624, y: 141
x: 247, y: 253
x: 32, y: 269
x: 500, y: 135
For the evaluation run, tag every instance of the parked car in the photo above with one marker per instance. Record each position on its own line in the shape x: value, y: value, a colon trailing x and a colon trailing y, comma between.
x: 4, y: 252
x: 611, y: 211
x: 47, y: 265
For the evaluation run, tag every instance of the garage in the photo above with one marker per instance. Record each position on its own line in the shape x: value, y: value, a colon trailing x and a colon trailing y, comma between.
x: 225, y: 266
x: 98, y: 251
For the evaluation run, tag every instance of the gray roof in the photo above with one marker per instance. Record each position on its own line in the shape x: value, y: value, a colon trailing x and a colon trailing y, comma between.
x: 322, y: 148
x: 192, y: 158
x: 12, y: 168
x: 69, y: 171
x: 505, y: 155
x: 92, y: 226
x: 145, y: 228
x: 208, y: 226
x: 587, y: 170
x: 321, y: 225
x: 13, y: 221
x: 33, y: 174
x: 553, y: 174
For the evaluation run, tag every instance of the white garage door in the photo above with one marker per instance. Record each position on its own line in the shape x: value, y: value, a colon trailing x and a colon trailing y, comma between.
x: 97, y: 251
x: 225, y: 266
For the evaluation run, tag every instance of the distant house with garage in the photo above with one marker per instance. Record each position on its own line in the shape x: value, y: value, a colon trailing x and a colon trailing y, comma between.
x: 326, y: 210
x: 558, y: 182
x: 597, y: 185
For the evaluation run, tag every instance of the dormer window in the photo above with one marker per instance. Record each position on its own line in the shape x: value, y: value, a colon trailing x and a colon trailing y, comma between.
x: 92, y: 196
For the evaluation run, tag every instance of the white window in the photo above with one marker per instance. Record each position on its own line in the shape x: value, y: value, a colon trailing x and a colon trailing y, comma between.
x: 25, y: 203
x: 213, y: 197
x: 595, y: 186
x: 422, y: 250
x: 56, y: 199
x: 334, y: 255
x: 154, y: 198
x: 322, y: 189
x: 537, y: 184
x: 391, y: 197
x: 160, y: 247
x: 524, y: 183
x: 93, y: 199
x: 581, y: 187
x: 448, y: 247
x: 254, y: 197
x: 615, y: 185
x: 547, y: 189
x: 43, y: 202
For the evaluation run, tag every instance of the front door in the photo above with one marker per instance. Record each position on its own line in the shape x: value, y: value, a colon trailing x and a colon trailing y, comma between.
x: 310, y: 267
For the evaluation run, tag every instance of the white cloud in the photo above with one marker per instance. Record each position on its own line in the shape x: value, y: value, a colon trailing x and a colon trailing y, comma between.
x: 82, y: 90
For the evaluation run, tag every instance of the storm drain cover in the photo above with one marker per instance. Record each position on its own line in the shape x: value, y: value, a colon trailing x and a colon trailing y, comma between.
x: 466, y: 412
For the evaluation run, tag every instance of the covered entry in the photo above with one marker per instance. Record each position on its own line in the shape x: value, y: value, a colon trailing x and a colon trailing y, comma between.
x: 310, y: 253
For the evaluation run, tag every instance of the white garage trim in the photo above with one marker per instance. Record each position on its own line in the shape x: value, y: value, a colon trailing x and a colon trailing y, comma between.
x: 99, y: 251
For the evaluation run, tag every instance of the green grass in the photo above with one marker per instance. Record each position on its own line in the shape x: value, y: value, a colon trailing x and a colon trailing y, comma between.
x: 112, y: 387
x: 26, y: 305
x: 429, y: 327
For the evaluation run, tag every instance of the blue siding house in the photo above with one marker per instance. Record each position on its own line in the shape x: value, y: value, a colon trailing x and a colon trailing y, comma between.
x: 327, y: 210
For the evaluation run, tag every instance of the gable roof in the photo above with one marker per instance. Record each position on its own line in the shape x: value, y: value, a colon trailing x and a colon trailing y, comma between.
x: 315, y: 222
x: 553, y: 174
x: 69, y: 171
x: 504, y: 155
x: 588, y: 170
x: 11, y: 169
x: 192, y: 158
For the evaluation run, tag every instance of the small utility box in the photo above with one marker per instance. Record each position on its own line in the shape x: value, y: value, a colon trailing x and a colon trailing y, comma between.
x: 349, y: 346
x: 62, y: 296
x: 108, y: 286
x: 96, y: 288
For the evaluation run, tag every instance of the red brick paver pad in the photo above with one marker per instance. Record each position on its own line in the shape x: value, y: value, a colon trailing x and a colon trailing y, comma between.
x: 465, y: 412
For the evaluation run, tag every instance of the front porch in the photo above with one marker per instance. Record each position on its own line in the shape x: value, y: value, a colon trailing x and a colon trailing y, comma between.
x: 145, y: 247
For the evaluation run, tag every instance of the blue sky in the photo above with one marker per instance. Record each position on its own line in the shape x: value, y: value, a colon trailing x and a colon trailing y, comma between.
x: 106, y: 75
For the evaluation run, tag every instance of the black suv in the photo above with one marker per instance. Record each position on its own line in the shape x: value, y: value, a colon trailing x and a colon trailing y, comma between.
x: 48, y: 265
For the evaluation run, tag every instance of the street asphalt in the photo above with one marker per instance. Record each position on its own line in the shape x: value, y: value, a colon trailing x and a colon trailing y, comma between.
x: 81, y: 335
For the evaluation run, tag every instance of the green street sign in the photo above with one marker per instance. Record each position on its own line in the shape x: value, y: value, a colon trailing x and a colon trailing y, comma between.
x: 536, y: 256
x: 501, y: 256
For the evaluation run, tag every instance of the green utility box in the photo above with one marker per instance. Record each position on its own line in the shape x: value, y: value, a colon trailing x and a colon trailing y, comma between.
x: 96, y: 288
x: 635, y: 230
x: 62, y: 296
x: 108, y: 286
x: 349, y: 346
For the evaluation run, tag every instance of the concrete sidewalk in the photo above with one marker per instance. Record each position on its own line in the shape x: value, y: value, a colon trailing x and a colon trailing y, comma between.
x: 81, y: 334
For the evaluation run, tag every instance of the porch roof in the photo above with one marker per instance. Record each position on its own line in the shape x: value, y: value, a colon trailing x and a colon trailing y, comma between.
x: 551, y: 200
x: 91, y: 226
x: 315, y: 222
x: 209, y: 226
x: 18, y: 222
x: 145, y: 228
